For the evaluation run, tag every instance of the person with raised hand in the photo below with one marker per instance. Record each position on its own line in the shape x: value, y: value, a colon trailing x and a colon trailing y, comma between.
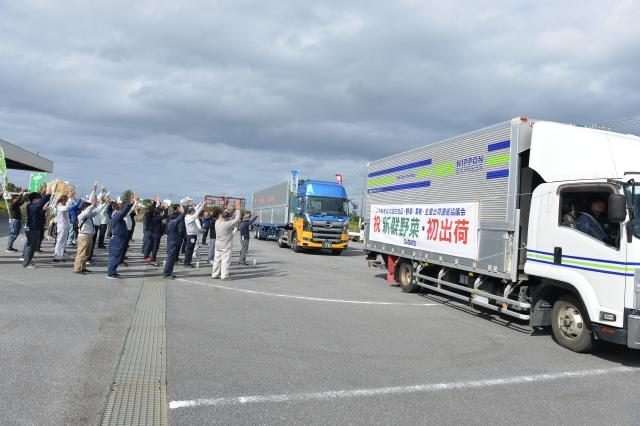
x: 103, y: 202
x: 191, y: 225
x: 120, y: 235
x: 247, y: 221
x: 34, y: 225
x: 157, y: 229
x: 130, y: 221
x: 174, y: 240
x: 15, y: 218
x: 146, y: 227
x: 86, y: 232
x: 103, y: 218
x: 224, y: 242
x: 63, y: 224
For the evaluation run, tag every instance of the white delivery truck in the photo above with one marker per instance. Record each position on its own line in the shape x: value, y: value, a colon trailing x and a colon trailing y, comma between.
x: 533, y: 219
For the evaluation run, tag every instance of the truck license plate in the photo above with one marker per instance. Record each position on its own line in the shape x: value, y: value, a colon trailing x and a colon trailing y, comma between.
x: 326, y: 244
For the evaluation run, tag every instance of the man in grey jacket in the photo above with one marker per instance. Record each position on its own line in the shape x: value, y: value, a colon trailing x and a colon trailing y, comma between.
x: 224, y: 242
x: 247, y: 221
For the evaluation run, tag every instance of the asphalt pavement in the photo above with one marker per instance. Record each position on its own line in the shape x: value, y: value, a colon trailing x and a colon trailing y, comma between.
x: 296, y: 339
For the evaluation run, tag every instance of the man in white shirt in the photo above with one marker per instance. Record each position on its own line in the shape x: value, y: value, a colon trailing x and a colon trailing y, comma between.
x: 225, y: 227
x: 191, y: 224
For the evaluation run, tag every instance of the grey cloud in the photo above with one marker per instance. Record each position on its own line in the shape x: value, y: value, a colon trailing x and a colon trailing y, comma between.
x: 188, y: 96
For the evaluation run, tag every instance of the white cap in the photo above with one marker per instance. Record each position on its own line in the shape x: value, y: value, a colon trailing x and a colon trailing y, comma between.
x: 167, y: 202
x: 185, y: 200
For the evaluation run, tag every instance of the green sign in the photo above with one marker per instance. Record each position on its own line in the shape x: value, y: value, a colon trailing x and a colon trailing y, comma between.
x: 37, y: 179
x: 3, y: 169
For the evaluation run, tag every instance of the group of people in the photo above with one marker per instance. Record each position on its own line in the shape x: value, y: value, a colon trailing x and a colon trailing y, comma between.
x: 86, y: 222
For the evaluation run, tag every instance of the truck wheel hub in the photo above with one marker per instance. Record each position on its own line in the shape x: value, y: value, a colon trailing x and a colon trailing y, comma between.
x: 570, y: 322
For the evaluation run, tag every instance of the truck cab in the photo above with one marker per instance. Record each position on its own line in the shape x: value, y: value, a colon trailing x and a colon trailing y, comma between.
x: 586, y: 239
x: 321, y: 217
x: 583, y: 235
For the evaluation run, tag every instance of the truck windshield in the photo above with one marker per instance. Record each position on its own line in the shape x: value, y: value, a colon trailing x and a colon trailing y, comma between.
x: 326, y: 205
x: 629, y: 191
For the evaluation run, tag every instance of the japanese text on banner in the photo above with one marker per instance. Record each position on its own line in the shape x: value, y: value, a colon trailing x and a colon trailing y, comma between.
x: 443, y: 228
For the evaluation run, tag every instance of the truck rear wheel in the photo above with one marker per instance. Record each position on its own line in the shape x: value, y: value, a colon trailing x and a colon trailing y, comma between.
x: 281, y: 242
x: 570, y: 324
x: 294, y: 243
x: 405, y: 278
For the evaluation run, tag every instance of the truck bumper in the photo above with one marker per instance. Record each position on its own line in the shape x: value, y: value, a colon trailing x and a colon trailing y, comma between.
x: 629, y: 336
x: 336, y: 246
x: 610, y: 334
x: 633, y: 332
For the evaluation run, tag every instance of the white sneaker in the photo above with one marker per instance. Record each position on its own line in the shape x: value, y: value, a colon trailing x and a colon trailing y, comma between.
x: 21, y: 259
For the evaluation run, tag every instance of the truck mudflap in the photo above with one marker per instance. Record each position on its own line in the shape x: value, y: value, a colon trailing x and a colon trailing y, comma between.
x: 633, y: 333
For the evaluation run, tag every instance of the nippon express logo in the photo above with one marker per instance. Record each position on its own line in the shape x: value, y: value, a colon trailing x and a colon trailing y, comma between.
x: 470, y: 165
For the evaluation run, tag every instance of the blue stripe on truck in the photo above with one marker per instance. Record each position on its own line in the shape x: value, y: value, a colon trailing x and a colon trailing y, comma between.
x: 497, y: 174
x: 412, y: 185
x: 403, y: 167
x: 498, y: 145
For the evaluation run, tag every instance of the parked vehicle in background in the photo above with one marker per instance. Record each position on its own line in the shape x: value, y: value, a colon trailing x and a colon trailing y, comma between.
x: 534, y: 220
x: 303, y: 214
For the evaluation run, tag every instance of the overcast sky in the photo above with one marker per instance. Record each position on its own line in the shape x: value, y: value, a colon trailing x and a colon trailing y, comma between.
x: 188, y: 97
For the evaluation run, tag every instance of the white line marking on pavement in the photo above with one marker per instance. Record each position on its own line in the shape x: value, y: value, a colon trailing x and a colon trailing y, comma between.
x: 322, y: 396
x: 316, y: 299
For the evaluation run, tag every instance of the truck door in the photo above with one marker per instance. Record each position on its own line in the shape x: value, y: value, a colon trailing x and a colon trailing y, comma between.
x: 575, y: 244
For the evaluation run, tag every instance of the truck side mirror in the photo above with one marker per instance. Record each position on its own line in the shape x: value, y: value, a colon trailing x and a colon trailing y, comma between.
x: 617, y: 210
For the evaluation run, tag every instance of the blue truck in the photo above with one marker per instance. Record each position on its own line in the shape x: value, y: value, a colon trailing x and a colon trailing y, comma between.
x: 303, y: 215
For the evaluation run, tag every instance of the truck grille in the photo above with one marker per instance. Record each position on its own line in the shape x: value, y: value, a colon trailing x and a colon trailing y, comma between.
x: 327, y: 232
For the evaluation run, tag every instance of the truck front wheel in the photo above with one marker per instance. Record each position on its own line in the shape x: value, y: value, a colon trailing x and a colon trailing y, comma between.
x: 294, y: 243
x: 405, y: 278
x: 570, y: 325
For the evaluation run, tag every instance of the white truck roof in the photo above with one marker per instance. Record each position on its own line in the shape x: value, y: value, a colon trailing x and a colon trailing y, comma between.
x: 566, y: 152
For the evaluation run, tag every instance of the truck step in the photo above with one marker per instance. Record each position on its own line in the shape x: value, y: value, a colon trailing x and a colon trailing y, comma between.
x: 374, y: 263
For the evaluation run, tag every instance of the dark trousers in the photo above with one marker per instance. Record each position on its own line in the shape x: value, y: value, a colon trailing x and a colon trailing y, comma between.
x: 101, y: 234
x: 133, y: 228
x: 155, y: 245
x: 183, y: 244
x: 125, y: 247
x: 244, y: 249
x: 205, y: 234
x: 40, y: 239
x: 116, y: 249
x: 190, y: 246
x: 93, y: 245
x: 146, y: 243
x: 33, y: 238
x: 172, y: 257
